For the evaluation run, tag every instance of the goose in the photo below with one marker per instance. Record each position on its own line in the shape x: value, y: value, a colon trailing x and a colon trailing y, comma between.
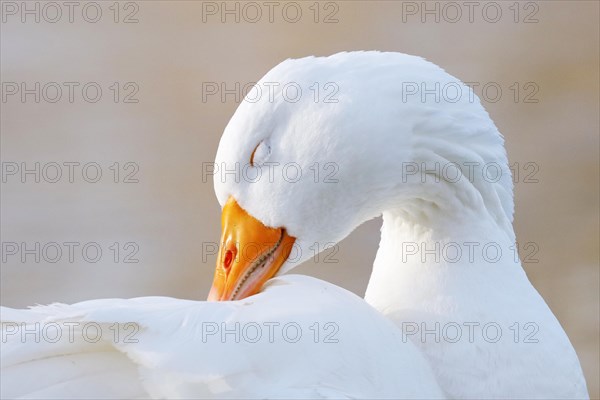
x: 336, y: 141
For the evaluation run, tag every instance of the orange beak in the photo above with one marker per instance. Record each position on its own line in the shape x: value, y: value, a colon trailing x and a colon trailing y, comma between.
x: 251, y: 254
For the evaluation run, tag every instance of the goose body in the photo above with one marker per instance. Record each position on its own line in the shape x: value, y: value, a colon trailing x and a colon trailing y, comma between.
x: 469, y: 325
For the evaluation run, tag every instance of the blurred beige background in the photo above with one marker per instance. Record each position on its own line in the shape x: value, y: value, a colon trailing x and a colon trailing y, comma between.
x: 170, y: 52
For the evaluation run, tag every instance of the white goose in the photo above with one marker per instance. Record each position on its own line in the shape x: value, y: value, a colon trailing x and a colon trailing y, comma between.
x: 467, y: 319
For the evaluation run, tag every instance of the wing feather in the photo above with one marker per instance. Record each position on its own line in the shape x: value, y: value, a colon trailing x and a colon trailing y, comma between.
x: 300, y: 338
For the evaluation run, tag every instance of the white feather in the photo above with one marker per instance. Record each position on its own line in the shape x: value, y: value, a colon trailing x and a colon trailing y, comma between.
x: 369, y: 135
x: 353, y: 352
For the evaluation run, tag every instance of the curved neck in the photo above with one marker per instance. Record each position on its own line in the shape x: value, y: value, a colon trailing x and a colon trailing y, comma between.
x: 430, y: 252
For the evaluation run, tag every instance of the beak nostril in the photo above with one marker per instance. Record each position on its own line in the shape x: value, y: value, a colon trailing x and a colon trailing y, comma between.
x: 228, y: 259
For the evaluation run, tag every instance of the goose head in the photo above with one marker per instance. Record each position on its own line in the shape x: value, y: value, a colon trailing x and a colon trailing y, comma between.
x: 323, y: 144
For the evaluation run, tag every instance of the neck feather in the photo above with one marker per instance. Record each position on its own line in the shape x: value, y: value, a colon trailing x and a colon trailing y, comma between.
x: 448, y: 215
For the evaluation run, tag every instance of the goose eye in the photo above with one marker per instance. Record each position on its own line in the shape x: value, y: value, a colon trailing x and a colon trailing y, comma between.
x: 260, y: 154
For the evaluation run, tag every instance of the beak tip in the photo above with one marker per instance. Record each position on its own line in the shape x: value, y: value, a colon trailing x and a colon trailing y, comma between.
x: 213, y: 295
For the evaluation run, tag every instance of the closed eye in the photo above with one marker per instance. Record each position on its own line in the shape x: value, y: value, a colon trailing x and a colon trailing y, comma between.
x: 260, y: 154
x: 252, y: 156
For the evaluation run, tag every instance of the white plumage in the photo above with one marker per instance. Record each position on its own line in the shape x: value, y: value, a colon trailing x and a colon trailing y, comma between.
x: 299, y: 338
x: 375, y: 134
